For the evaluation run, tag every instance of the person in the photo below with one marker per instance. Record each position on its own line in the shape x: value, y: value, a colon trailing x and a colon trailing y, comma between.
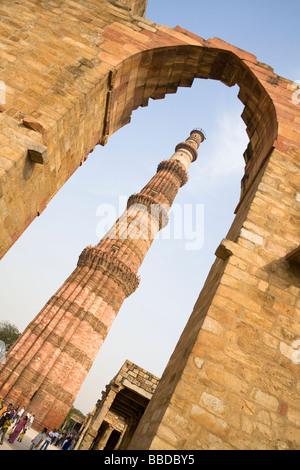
x: 61, y: 439
x: 54, y: 436
x: 17, y: 429
x: 15, y: 411
x: 19, y: 414
x: 57, y: 439
x: 47, y: 441
x: 5, y: 426
x: 73, y: 442
x: 11, y: 411
x: 5, y: 409
x: 22, y: 434
x: 30, y: 421
x: 39, y: 438
x: 66, y: 444
x: 7, y: 414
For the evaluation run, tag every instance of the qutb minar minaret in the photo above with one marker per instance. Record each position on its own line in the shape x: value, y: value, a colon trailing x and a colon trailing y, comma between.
x: 47, y: 365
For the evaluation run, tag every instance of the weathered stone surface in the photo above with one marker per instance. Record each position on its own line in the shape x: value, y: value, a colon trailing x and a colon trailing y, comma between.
x: 247, y: 345
x: 121, y: 407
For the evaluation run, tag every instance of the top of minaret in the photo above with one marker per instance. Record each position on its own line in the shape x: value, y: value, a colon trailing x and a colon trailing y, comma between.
x: 196, y: 137
x: 186, y: 152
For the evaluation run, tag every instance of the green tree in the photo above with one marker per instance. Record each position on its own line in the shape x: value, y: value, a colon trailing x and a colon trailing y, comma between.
x: 9, y: 333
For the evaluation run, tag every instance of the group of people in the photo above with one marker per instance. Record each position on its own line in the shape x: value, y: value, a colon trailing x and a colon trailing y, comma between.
x: 43, y: 439
x: 14, y: 422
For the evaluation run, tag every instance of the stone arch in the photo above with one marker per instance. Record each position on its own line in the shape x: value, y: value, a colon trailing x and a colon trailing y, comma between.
x: 156, y: 72
x: 182, y: 415
x: 51, y: 124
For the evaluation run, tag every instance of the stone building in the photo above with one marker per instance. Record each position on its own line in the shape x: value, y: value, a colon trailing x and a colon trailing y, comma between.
x: 116, y: 416
x: 233, y: 379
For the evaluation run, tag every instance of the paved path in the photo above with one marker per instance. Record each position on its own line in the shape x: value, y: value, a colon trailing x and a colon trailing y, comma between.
x: 25, y: 444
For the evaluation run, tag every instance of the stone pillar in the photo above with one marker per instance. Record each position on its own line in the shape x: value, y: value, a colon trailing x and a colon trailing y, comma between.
x: 121, y: 438
x: 47, y: 365
x: 104, y: 438
x: 132, y: 424
x: 88, y: 437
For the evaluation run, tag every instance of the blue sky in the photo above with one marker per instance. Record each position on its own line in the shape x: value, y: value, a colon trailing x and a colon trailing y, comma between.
x: 151, y: 320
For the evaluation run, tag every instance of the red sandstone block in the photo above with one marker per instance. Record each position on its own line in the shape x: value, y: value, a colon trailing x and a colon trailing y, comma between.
x: 220, y: 44
x: 137, y: 36
x: 114, y: 49
x: 123, y: 39
x: 197, y: 39
x: 153, y: 41
x: 168, y: 39
x: 109, y: 58
x: 283, y: 409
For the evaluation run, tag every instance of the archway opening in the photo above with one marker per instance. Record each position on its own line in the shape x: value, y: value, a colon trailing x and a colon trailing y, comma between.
x: 122, y: 167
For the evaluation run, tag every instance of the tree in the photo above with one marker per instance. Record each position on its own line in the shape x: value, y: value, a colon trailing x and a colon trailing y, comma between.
x: 9, y: 333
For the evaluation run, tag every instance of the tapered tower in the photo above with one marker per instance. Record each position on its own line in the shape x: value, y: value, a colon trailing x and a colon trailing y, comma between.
x: 47, y: 365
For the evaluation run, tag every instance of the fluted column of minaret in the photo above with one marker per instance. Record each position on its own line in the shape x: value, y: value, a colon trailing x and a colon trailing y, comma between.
x: 46, y: 367
x: 147, y: 211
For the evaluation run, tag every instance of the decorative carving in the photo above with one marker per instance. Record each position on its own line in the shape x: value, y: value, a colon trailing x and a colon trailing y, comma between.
x: 189, y: 147
x: 156, y: 210
x: 112, y: 267
x: 176, y: 167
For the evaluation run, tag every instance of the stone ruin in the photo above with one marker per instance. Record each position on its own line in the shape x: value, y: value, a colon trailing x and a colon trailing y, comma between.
x: 115, y: 417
